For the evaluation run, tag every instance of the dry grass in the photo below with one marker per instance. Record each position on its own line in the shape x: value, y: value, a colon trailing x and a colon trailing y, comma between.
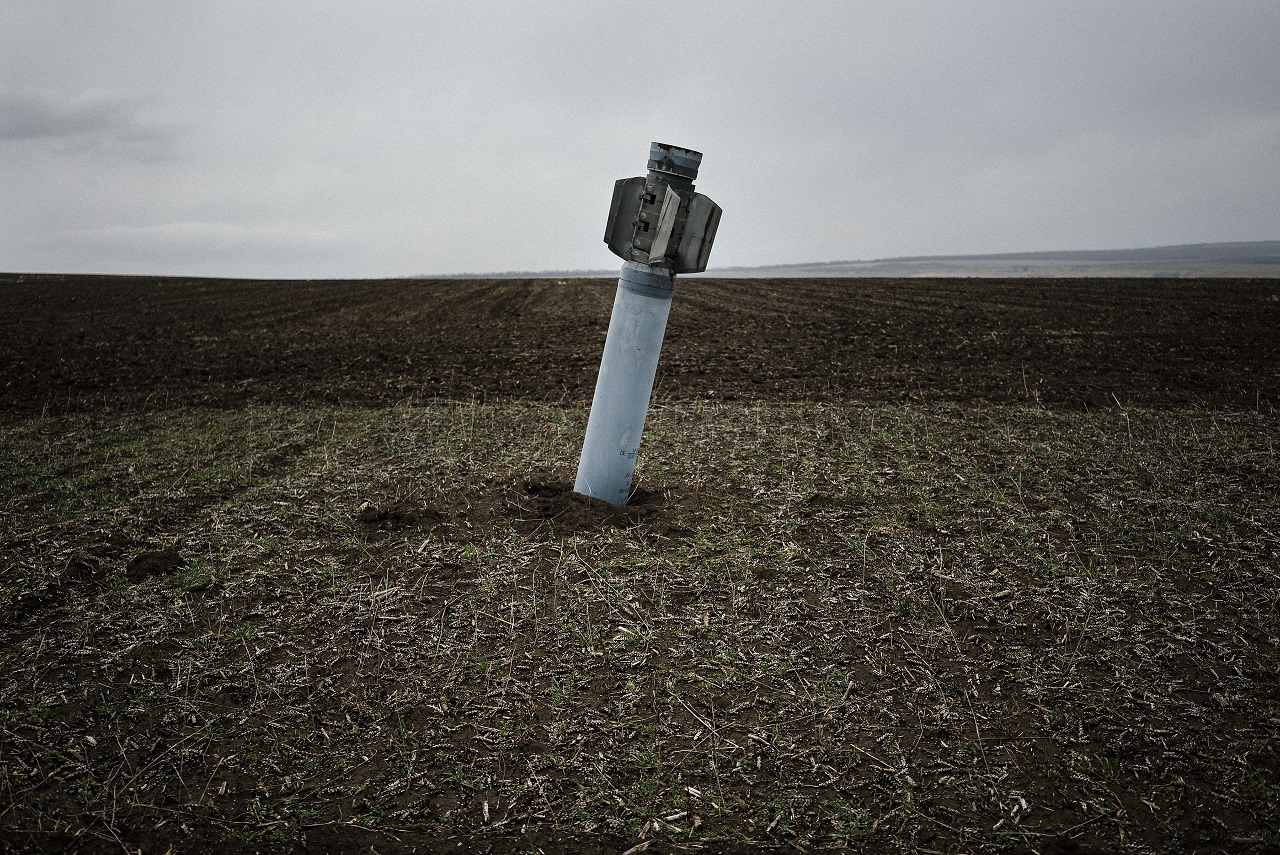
x: 928, y: 627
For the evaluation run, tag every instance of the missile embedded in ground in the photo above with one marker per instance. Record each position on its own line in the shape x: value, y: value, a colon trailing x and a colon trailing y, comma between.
x: 660, y: 227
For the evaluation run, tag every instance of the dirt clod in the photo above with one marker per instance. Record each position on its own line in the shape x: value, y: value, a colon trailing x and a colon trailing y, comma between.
x: 147, y: 564
x: 397, y: 516
x: 557, y: 504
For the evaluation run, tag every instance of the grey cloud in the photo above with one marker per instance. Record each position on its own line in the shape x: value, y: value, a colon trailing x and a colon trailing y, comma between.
x: 110, y: 127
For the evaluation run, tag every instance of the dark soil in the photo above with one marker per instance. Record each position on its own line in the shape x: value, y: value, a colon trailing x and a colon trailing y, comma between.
x: 77, y: 343
x: 397, y: 515
x: 542, y: 507
x: 159, y: 563
x: 554, y: 505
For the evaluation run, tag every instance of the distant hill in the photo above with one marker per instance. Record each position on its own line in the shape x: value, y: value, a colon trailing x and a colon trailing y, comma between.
x: 1249, y: 259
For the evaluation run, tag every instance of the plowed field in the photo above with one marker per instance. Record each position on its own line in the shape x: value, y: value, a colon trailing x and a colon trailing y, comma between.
x: 81, y: 343
x: 943, y: 566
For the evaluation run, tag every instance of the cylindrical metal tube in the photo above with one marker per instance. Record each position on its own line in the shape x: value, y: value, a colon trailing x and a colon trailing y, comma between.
x: 625, y: 383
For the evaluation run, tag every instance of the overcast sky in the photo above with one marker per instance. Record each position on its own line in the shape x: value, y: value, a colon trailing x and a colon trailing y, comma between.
x: 335, y: 139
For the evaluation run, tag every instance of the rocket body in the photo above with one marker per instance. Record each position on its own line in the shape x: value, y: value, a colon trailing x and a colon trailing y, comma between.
x: 660, y: 227
x: 625, y: 383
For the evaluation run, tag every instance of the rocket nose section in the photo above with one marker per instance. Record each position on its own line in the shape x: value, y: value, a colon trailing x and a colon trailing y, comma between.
x: 673, y: 160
